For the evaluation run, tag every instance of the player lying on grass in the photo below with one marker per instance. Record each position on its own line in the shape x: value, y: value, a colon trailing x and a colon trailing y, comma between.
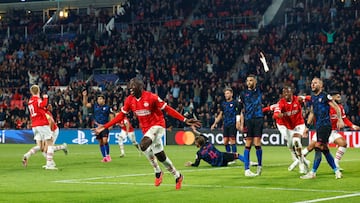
x: 209, y: 153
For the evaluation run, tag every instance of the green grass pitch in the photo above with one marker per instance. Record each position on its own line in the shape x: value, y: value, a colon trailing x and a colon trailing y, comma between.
x: 83, y: 178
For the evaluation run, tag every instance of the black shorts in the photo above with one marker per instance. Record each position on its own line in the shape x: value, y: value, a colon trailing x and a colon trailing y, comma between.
x: 254, y: 127
x: 230, y: 131
x: 323, y: 134
x: 227, y: 157
x: 104, y: 133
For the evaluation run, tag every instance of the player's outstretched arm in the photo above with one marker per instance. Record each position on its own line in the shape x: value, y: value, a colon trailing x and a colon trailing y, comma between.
x: 263, y: 61
x: 175, y: 114
x: 340, y: 123
x: 112, y: 122
x: 85, y: 99
x: 193, y: 122
x: 217, y: 119
x: 98, y: 129
x: 195, y: 164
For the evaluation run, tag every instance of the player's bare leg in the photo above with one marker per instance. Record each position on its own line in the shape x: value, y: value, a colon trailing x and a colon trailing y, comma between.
x: 50, y: 163
x: 161, y: 156
x: 294, y: 158
x: 149, y: 154
x: 298, y: 149
x: 121, y: 146
x: 133, y: 141
x: 342, y: 145
x: 31, y: 152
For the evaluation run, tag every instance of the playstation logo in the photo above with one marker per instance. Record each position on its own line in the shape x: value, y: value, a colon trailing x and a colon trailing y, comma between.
x: 80, y: 138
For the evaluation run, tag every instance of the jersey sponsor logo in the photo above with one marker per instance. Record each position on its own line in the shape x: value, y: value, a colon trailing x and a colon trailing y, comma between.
x: 146, y: 104
x: 142, y: 112
x: 290, y: 113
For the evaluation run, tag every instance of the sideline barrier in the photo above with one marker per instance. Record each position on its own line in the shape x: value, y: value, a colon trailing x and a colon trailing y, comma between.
x: 70, y: 136
x: 271, y: 137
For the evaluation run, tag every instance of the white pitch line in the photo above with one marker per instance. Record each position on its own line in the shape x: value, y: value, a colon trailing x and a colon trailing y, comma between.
x: 87, y: 181
x: 207, y: 186
x: 330, y: 198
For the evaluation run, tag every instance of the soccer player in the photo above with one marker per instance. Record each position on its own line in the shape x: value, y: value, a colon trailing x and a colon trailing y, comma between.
x: 335, y: 137
x: 127, y: 130
x: 320, y: 107
x: 290, y: 112
x: 283, y: 131
x: 102, y: 114
x: 55, y: 132
x: 147, y: 108
x: 40, y: 127
x: 254, y: 120
x: 230, y: 112
x: 209, y: 153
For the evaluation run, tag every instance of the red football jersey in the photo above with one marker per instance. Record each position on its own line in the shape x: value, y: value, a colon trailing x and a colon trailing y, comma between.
x: 37, y: 111
x: 334, y: 118
x: 292, y: 112
x: 54, y: 126
x: 147, y: 109
x: 123, y: 126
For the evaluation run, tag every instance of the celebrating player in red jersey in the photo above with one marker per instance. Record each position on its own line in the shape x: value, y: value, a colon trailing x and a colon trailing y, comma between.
x: 147, y: 107
x: 55, y: 132
x: 290, y: 112
x: 335, y: 137
x: 40, y: 127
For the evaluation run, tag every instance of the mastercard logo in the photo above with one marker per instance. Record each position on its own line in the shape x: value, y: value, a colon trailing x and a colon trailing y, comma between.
x: 184, y: 137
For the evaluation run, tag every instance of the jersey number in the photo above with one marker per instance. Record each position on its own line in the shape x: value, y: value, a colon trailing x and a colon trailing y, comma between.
x: 212, y: 154
x: 32, y: 110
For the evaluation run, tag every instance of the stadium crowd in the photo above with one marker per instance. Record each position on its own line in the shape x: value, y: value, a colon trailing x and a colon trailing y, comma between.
x: 187, y: 65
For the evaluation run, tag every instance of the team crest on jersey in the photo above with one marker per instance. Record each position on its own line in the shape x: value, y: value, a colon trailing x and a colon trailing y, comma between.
x: 231, y: 105
x: 146, y: 104
x: 104, y: 108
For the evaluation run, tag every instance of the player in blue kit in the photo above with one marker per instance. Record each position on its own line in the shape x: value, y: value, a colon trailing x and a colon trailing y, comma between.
x: 211, y: 155
x: 230, y: 112
x: 319, y: 109
x: 102, y: 114
x: 251, y: 99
